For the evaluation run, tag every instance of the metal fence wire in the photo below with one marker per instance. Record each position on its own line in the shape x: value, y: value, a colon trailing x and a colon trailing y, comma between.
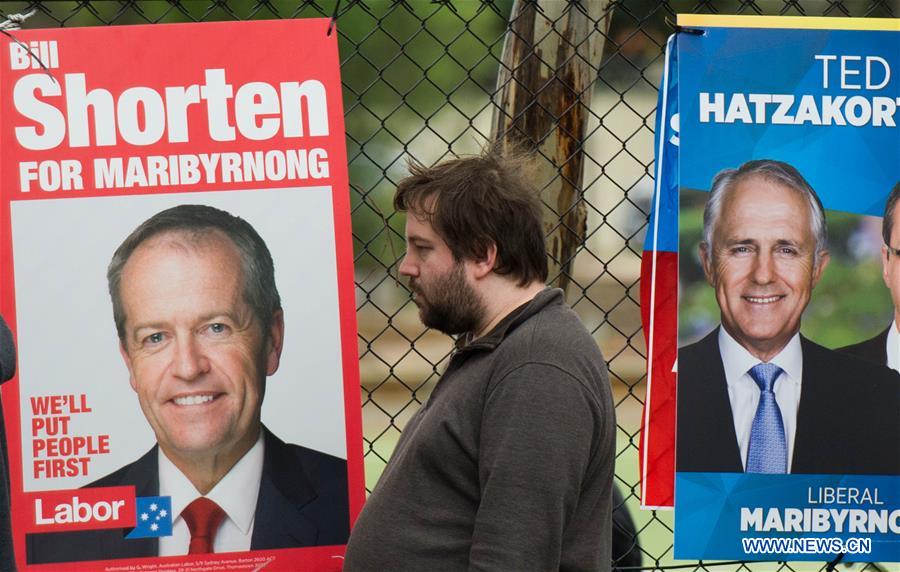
x: 420, y: 82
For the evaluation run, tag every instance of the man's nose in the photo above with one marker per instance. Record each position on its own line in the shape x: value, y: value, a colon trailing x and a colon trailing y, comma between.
x: 190, y: 359
x: 407, y: 267
x: 763, y: 268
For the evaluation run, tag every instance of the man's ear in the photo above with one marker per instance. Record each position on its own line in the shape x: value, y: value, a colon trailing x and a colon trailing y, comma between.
x: 127, y: 359
x: 706, y: 261
x: 824, y: 259
x: 275, y: 342
x: 485, y: 264
x: 885, y: 261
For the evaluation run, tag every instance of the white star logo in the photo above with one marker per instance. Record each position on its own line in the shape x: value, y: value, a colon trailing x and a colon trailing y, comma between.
x: 163, y: 513
x: 154, y: 527
x: 154, y: 506
x: 144, y: 516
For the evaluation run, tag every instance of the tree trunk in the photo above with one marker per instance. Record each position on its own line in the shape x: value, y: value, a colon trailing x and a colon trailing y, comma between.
x: 550, y: 59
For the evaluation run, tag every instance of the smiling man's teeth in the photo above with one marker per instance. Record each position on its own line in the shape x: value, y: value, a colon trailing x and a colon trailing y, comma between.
x: 766, y: 300
x: 193, y: 400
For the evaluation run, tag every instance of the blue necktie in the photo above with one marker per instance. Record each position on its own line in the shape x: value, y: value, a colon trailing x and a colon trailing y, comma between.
x: 768, y: 449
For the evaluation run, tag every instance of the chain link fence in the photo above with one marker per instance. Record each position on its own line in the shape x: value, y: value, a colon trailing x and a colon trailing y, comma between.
x: 419, y: 83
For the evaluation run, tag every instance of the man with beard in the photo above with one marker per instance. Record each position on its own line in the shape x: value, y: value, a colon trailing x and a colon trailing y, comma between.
x: 509, y: 464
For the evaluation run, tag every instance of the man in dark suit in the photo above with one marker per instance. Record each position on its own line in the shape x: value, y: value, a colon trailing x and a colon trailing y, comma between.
x: 201, y: 327
x: 884, y: 348
x: 845, y: 422
x: 754, y: 395
x: 302, y: 502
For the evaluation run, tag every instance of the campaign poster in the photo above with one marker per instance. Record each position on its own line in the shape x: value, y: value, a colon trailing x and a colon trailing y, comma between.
x: 787, y: 444
x: 659, y: 299
x: 177, y: 268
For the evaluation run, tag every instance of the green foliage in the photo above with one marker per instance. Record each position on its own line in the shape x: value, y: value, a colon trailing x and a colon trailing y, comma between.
x: 416, y: 77
x: 850, y: 304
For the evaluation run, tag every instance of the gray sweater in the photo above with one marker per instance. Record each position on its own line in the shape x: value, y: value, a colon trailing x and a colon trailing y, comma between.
x: 509, y: 464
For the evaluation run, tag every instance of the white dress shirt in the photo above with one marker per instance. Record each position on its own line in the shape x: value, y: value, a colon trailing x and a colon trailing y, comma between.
x: 744, y: 393
x: 893, y: 347
x: 236, y: 493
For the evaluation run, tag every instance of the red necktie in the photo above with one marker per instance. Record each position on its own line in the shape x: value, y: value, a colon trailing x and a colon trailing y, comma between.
x: 203, y: 518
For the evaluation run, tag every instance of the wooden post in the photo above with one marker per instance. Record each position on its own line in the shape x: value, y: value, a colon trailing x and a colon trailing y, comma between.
x: 550, y: 59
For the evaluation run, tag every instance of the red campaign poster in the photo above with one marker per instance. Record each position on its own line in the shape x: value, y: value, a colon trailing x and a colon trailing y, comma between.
x: 146, y: 172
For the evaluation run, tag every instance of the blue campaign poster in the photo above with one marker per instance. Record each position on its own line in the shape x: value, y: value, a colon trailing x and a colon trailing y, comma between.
x: 815, y: 100
x: 827, y: 101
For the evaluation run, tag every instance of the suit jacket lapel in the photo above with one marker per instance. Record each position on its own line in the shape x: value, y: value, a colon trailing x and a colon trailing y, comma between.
x: 283, y: 491
x: 723, y: 442
x: 706, y: 437
x: 881, y: 346
x: 816, y: 401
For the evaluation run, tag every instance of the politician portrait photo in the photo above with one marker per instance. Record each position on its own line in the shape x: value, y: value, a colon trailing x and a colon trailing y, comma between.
x: 201, y: 330
x: 756, y: 392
